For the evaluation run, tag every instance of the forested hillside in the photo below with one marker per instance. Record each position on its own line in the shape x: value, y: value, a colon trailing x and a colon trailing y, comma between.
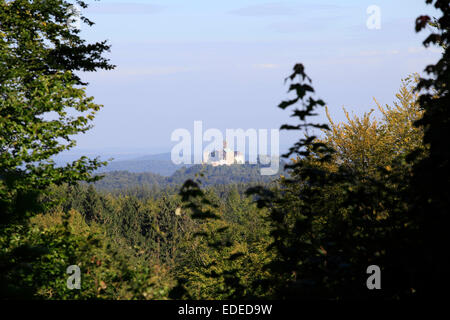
x: 159, y: 164
x: 233, y: 174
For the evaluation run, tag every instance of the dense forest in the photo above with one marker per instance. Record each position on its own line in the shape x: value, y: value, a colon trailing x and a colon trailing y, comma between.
x: 365, y: 191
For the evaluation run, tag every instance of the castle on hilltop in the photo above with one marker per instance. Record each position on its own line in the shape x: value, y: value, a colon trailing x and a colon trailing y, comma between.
x: 222, y: 157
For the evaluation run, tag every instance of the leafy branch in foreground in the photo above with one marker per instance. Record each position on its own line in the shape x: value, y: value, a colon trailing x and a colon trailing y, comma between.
x: 42, y: 106
x: 429, y: 190
x: 345, y: 205
x: 224, y: 257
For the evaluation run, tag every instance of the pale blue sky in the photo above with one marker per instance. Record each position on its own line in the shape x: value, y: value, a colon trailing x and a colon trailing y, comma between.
x: 223, y: 62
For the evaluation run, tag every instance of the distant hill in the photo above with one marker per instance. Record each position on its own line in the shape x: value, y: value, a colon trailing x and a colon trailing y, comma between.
x: 158, y: 163
x: 164, y: 168
x: 162, y: 164
x: 220, y: 175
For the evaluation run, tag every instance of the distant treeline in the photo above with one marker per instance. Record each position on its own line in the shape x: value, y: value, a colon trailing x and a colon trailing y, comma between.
x: 162, y: 167
x: 220, y: 175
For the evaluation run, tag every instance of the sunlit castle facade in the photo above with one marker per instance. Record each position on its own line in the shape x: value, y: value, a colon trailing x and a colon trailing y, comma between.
x: 222, y: 157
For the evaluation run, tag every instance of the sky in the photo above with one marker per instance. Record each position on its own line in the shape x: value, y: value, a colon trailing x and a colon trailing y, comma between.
x: 224, y: 63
